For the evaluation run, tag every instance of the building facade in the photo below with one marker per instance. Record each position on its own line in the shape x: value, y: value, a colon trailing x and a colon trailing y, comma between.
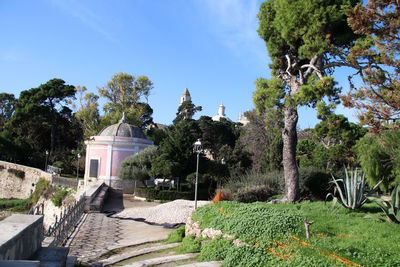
x: 105, y: 153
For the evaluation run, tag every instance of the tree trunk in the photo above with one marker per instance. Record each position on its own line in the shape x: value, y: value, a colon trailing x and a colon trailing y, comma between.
x: 291, y: 172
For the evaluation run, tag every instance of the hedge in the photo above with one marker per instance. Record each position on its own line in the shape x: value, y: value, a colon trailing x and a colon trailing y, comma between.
x: 152, y: 193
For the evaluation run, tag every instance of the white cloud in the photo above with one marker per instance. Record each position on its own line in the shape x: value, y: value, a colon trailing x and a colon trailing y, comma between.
x: 76, y: 9
x: 235, y: 23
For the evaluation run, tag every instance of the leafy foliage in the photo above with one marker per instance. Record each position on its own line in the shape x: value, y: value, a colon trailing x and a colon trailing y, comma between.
x: 124, y: 93
x: 375, y: 56
x: 264, y: 224
x: 345, y: 233
x: 177, y: 235
x: 88, y: 113
x: 186, y: 110
x: 138, y: 166
x: 302, y: 38
x: 59, y: 196
x: 190, y: 245
x: 7, y: 106
x: 379, y: 157
x: 216, y: 249
x: 154, y: 193
x: 43, y: 121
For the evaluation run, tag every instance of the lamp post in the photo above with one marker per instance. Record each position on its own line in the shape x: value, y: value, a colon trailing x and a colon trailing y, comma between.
x: 77, y: 167
x: 47, y: 156
x: 197, y: 148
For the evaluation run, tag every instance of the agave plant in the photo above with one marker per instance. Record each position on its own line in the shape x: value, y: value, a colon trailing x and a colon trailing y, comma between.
x: 391, y: 208
x: 352, y: 193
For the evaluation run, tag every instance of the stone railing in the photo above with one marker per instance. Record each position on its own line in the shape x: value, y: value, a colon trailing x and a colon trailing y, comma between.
x: 20, y: 236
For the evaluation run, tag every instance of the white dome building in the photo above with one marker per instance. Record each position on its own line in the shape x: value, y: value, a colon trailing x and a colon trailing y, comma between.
x: 106, y: 151
x: 221, y: 114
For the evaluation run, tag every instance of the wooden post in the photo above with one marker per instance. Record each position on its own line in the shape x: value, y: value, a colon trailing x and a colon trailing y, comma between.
x: 307, y: 225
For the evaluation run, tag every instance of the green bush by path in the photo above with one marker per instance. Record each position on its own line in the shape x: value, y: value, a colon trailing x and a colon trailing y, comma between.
x: 216, y: 249
x: 251, y: 187
x: 153, y: 193
x: 337, y: 234
x: 190, y: 245
x: 177, y: 235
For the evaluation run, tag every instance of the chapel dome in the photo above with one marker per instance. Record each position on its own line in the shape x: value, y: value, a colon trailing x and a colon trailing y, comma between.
x: 123, y: 129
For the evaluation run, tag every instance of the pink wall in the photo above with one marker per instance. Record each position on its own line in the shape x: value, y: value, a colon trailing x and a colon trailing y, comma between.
x: 99, y: 154
x: 118, y: 157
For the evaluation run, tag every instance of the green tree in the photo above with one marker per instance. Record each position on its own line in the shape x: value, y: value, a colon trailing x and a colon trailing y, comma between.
x: 176, y: 151
x: 379, y: 157
x: 125, y: 93
x: 186, y: 111
x: 138, y: 166
x: 7, y: 106
x: 43, y: 121
x: 216, y: 134
x: 88, y: 113
x: 303, y: 39
x: 338, y: 136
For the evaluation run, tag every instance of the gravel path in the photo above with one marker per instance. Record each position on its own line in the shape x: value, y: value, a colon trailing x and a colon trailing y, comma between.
x: 171, y: 213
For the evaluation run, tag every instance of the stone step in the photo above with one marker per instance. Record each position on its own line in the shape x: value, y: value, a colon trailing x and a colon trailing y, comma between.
x: 17, y: 263
x: 52, y: 256
x: 162, y: 260
x: 98, y: 201
x: 130, y: 254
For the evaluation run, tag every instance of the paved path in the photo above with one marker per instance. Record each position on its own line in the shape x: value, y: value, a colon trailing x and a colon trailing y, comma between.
x: 98, y: 233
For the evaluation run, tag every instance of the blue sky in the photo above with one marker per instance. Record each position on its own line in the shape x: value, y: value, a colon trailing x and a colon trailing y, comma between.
x: 209, y: 46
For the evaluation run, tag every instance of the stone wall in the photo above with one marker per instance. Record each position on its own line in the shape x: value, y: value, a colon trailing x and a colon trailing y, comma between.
x: 20, y: 236
x: 18, y: 181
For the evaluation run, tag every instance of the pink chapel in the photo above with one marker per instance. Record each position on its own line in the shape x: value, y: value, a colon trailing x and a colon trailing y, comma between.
x: 105, y: 152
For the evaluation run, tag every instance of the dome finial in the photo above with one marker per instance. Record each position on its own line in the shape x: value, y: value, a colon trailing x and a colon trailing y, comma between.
x: 123, y: 119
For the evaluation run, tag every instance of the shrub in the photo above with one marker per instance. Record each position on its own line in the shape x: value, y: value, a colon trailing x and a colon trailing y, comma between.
x: 216, y: 249
x: 314, y: 183
x: 137, y: 167
x: 18, y: 173
x: 59, y: 196
x: 190, y: 245
x: 254, y: 186
x: 254, y: 194
x: 176, y: 235
x: 41, y: 189
x: 152, y: 193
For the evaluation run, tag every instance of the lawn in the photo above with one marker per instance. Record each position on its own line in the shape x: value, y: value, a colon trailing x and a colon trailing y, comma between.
x: 275, y: 234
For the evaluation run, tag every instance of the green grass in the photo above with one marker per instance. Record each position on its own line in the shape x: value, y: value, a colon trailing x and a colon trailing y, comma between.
x: 15, y: 205
x: 346, y: 233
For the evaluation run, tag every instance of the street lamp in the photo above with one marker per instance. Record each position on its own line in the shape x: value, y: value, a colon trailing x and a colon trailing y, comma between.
x: 197, y: 148
x: 47, y: 156
x: 223, y: 161
x: 77, y: 167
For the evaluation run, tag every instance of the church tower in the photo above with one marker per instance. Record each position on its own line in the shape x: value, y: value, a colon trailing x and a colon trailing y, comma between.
x: 185, y: 96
